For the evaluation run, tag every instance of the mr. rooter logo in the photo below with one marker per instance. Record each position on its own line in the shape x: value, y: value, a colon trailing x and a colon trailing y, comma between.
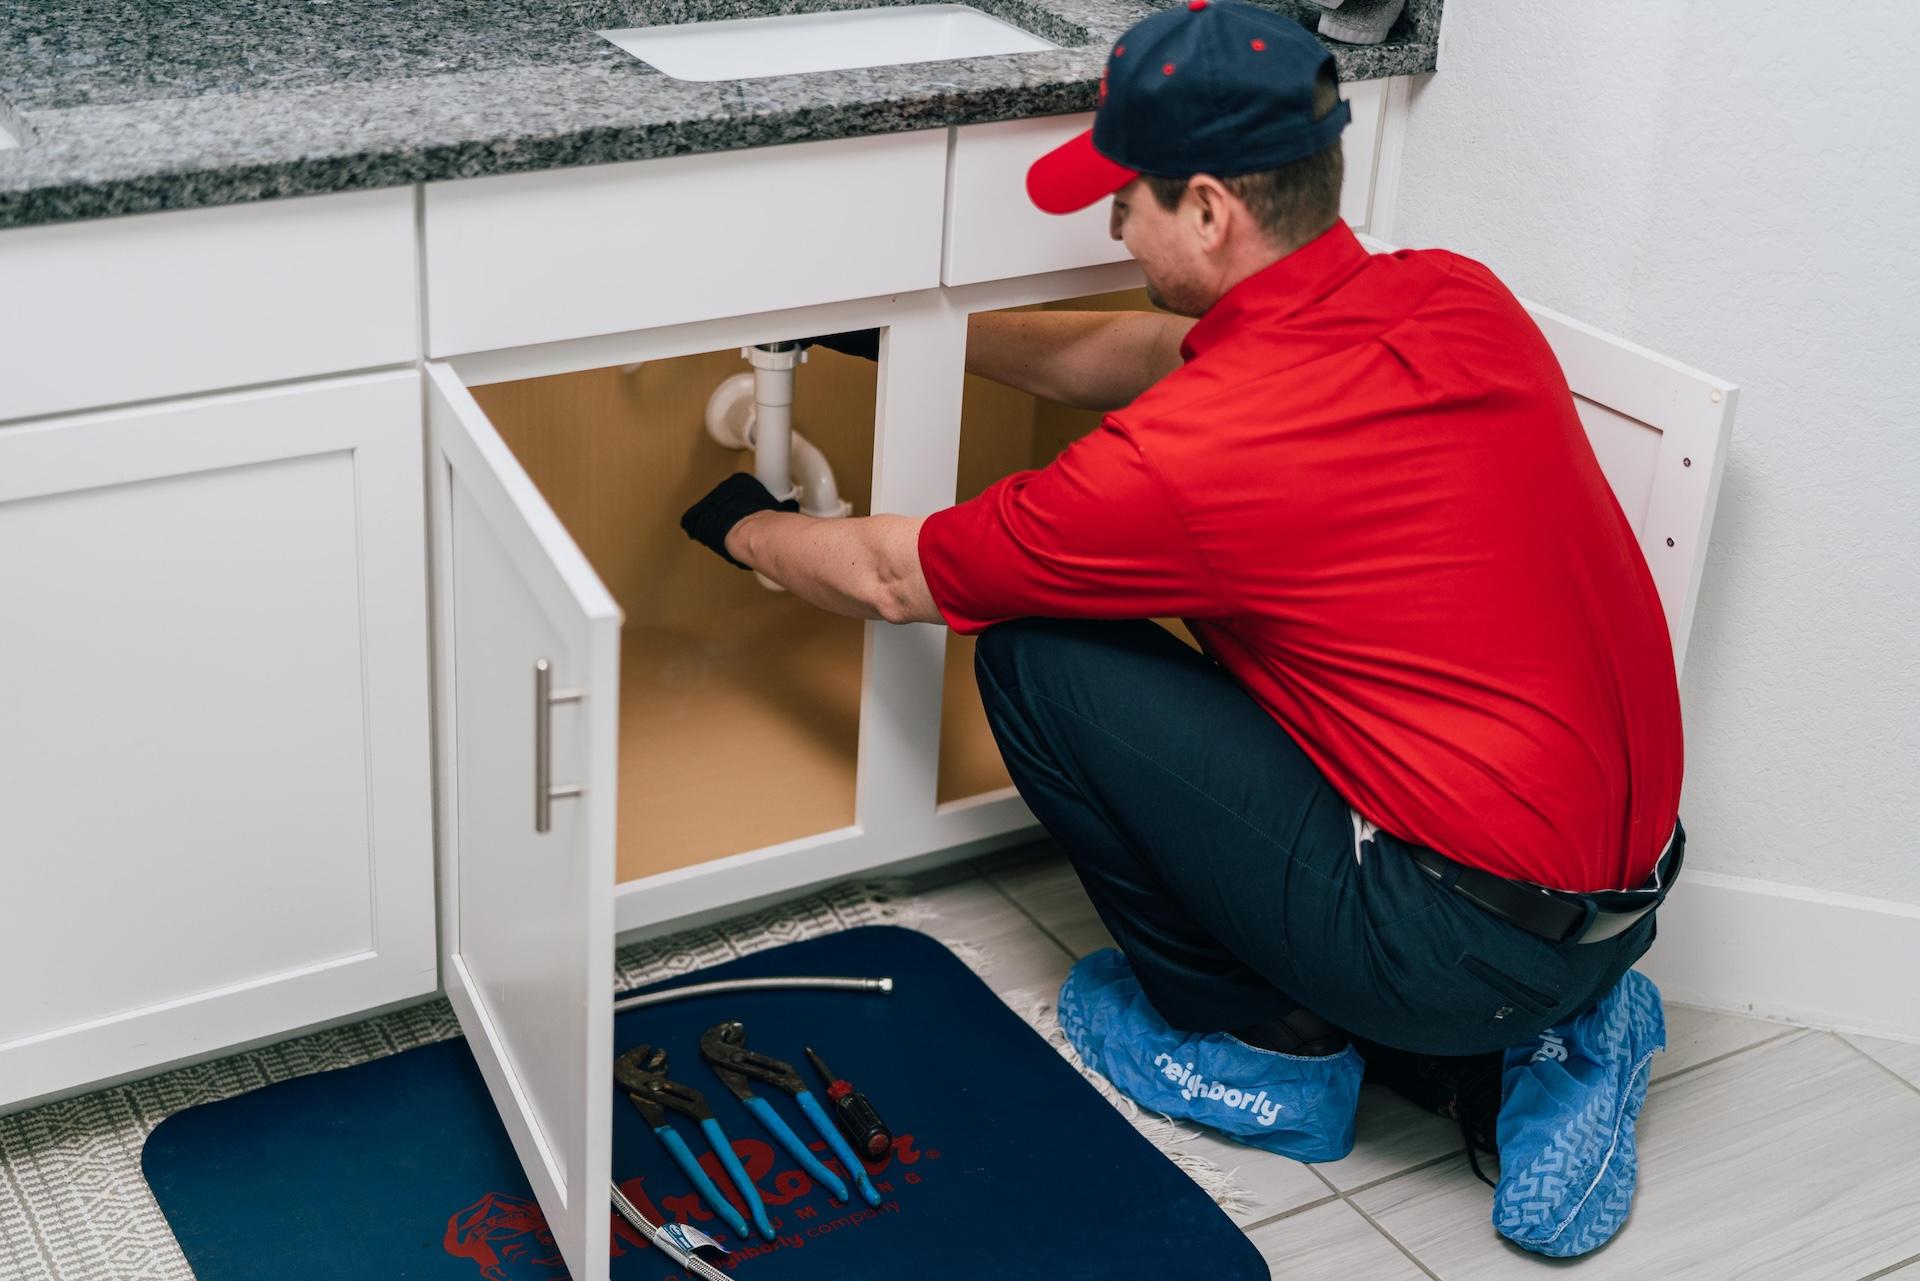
x: 506, y: 1237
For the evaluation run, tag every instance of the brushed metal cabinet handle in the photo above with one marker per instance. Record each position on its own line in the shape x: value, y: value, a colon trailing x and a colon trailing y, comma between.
x: 545, y: 791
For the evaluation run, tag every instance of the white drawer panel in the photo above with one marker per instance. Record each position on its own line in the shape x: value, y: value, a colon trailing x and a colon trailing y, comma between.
x: 125, y: 309
x: 531, y: 258
x: 994, y: 232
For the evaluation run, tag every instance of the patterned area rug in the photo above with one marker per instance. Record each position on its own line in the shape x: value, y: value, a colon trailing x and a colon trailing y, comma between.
x: 73, y: 1204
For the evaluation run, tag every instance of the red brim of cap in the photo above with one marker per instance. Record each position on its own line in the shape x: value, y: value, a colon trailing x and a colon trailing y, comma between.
x: 1073, y: 175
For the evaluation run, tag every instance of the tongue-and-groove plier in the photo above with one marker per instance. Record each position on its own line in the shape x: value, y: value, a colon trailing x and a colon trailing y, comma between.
x: 642, y: 1073
x: 724, y: 1046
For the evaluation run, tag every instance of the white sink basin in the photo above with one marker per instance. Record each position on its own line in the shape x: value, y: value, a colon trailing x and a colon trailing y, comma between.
x: 744, y: 48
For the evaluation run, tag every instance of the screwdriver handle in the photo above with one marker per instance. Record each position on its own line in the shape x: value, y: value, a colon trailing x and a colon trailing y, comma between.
x: 858, y: 1120
x: 855, y: 1117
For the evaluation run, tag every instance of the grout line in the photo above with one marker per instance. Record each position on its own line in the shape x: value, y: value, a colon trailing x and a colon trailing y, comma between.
x: 1020, y: 907
x: 1458, y: 1154
x: 1890, y: 1268
x: 1877, y: 1063
x: 1248, y: 1229
x: 1375, y: 1225
x: 1330, y: 1185
x: 1776, y: 1039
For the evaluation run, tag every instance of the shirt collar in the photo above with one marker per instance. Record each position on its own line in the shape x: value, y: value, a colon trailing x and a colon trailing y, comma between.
x: 1304, y: 276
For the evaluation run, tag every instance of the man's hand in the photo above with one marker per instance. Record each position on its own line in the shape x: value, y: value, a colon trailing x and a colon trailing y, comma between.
x: 709, y: 521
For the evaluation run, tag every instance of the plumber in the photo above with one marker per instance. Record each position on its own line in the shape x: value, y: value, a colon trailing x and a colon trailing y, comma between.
x: 1409, y: 807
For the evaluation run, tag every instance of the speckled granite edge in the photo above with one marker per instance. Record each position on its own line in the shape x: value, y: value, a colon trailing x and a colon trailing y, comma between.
x: 94, y: 161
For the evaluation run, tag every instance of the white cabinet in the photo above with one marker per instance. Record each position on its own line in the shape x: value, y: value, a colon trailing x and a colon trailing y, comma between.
x: 214, y: 813
x: 213, y: 663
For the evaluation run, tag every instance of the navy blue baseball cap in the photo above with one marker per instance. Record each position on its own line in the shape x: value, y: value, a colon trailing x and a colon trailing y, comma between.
x: 1214, y: 86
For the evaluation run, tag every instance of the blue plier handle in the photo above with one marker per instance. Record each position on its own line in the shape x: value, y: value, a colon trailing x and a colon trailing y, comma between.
x: 642, y: 1073
x: 724, y: 1045
x: 855, y: 1167
x: 689, y: 1166
x: 779, y: 1129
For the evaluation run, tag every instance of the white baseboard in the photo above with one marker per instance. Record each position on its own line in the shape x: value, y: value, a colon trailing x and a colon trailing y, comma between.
x: 1807, y: 956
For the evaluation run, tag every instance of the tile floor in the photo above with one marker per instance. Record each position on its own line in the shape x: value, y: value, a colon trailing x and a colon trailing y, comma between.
x: 1766, y: 1150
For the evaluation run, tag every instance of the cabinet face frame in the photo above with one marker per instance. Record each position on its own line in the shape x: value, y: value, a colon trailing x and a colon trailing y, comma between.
x: 371, y: 423
x: 916, y: 448
x: 916, y: 453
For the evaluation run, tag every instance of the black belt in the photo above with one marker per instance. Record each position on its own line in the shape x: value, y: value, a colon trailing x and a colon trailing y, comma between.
x: 1554, y: 915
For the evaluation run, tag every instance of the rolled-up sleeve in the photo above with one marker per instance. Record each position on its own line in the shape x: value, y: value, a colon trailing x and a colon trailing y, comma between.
x: 1091, y: 535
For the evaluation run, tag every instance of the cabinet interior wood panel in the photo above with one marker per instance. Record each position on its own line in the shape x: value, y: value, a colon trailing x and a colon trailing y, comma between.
x: 739, y: 706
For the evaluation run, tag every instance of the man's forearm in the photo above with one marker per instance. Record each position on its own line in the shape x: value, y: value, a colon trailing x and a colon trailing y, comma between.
x: 862, y: 567
x: 1088, y: 359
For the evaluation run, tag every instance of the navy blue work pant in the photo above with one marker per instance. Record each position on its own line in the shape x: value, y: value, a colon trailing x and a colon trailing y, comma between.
x: 1227, y: 869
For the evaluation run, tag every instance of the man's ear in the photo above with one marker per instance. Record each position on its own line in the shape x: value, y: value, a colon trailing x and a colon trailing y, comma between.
x: 1214, y: 209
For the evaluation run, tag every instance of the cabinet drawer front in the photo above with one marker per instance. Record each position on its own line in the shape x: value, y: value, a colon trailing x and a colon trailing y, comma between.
x: 993, y: 229
x: 532, y: 258
x: 994, y: 232
x: 127, y: 309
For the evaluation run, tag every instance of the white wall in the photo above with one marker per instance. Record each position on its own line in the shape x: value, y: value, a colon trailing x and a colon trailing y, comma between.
x: 1735, y: 185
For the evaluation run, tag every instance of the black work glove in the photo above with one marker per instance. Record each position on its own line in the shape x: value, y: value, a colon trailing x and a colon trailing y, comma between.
x: 864, y: 343
x: 709, y: 521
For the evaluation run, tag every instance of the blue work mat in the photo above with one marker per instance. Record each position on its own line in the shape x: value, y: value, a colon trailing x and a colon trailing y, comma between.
x: 1005, y: 1164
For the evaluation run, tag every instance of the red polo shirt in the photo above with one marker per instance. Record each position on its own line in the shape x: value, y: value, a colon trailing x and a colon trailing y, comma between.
x: 1369, y: 496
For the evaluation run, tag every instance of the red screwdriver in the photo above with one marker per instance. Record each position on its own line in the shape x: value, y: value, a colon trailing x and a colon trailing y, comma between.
x: 851, y: 1111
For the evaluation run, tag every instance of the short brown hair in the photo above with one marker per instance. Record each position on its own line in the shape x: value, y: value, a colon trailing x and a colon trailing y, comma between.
x: 1293, y: 203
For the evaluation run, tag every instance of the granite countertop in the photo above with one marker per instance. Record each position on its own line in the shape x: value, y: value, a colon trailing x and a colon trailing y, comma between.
x: 130, y: 106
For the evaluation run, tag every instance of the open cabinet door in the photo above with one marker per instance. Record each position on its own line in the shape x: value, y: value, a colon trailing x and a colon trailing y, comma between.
x: 1660, y: 432
x: 526, y: 913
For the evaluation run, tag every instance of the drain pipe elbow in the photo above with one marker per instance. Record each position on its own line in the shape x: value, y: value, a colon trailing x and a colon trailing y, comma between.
x: 813, y: 474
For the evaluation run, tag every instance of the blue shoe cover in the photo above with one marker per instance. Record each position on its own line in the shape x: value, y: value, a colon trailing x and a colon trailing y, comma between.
x: 1298, y: 1106
x: 1568, y: 1101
